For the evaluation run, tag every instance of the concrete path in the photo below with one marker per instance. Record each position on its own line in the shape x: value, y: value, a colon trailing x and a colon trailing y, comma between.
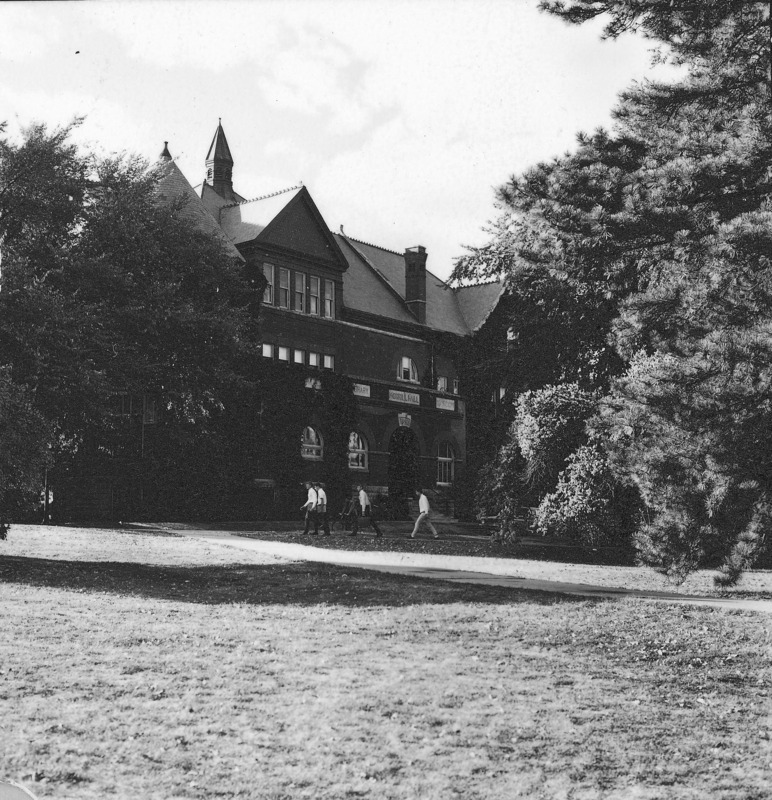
x: 460, y: 569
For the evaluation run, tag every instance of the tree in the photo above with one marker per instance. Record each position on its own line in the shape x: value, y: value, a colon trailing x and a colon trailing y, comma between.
x: 655, y: 239
x: 23, y: 452
x: 105, y: 288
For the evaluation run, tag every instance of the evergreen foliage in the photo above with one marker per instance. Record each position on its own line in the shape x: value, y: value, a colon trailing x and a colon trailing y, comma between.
x: 644, y: 257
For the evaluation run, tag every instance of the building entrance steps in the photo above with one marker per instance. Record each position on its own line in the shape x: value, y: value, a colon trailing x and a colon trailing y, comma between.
x: 507, y: 572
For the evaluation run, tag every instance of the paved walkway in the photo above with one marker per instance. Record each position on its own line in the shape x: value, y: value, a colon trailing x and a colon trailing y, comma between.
x: 460, y: 569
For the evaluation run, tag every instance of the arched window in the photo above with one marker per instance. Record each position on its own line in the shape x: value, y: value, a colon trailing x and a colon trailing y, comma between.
x: 406, y: 370
x: 446, y: 464
x: 312, y: 446
x: 357, y: 451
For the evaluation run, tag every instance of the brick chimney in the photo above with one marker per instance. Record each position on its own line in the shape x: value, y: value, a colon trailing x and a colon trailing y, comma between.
x: 415, y: 281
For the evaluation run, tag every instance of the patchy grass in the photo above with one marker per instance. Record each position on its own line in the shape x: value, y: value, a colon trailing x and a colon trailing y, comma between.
x: 134, y: 678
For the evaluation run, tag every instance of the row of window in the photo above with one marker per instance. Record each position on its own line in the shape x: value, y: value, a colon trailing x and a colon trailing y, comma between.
x: 296, y: 356
x: 312, y: 449
x: 306, y: 294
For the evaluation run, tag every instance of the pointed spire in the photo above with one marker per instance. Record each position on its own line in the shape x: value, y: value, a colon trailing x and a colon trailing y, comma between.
x: 219, y: 149
x: 165, y: 154
x: 219, y: 165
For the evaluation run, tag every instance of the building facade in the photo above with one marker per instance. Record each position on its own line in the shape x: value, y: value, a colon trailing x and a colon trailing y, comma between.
x: 332, y: 304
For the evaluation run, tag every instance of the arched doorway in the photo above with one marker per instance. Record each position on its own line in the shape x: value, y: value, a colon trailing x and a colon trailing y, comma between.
x: 403, y: 470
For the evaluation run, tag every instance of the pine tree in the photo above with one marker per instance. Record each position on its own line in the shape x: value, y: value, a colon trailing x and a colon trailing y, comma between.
x: 656, y: 237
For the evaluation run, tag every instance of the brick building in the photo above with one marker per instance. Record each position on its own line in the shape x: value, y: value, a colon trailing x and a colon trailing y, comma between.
x: 381, y: 317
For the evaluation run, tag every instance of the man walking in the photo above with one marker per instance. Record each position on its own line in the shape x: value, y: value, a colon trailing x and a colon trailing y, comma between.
x: 321, y: 510
x: 423, y: 515
x: 310, y: 508
x: 363, y: 508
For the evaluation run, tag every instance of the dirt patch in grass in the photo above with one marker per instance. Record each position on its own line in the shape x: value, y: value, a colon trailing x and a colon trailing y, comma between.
x: 289, y: 680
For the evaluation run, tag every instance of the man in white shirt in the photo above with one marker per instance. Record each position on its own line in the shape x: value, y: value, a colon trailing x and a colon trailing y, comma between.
x: 310, y: 508
x: 363, y: 508
x: 321, y: 510
x: 423, y: 516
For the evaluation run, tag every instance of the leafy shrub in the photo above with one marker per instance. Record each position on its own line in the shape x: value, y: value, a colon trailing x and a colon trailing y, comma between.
x: 589, y: 505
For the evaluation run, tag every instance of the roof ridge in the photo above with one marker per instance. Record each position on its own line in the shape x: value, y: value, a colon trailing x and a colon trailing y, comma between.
x: 370, y: 244
x: 264, y: 196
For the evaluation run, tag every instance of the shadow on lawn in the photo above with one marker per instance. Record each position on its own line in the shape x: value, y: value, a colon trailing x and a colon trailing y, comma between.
x: 274, y: 584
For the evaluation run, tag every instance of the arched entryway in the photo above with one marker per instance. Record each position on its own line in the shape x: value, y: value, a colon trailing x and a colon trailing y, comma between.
x: 403, y: 470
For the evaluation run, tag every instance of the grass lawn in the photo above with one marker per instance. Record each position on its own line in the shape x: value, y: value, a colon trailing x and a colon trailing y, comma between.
x: 134, y: 665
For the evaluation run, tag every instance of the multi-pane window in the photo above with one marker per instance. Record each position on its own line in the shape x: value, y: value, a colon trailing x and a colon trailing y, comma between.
x: 299, y: 298
x: 299, y: 357
x: 313, y: 295
x: 268, y: 292
x: 329, y: 299
x: 314, y: 360
x: 284, y: 353
x: 284, y: 283
x: 357, y: 451
x: 329, y: 362
x: 267, y: 350
x: 407, y: 370
x: 312, y: 446
x: 442, y: 384
x: 445, y: 464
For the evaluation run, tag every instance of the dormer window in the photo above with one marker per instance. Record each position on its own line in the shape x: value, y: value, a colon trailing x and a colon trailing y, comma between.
x: 442, y: 384
x: 407, y: 371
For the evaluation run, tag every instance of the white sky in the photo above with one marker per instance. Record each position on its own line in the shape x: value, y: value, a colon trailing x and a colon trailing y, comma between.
x: 400, y: 117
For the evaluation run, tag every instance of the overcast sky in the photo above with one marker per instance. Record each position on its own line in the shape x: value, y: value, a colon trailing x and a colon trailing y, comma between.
x: 400, y: 117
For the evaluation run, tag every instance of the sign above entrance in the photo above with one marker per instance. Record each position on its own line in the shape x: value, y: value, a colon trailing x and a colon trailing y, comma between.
x: 361, y: 390
x: 411, y: 398
x: 446, y: 404
x: 405, y: 420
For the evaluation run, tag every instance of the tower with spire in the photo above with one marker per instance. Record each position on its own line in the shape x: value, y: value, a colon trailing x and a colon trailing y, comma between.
x: 219, y: 166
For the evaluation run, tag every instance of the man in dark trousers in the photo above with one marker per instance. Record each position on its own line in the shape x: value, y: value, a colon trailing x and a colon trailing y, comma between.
x: 363, y: 508
x: 310, y: 508
x: 321, y: 510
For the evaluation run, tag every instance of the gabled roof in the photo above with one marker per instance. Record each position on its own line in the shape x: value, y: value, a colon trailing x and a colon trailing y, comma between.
x: 375, y: 282
x: 288, y: 220
x: 365, y: 288
x: 244, y: 221
x: 174, y: 185
x: 478, y: 301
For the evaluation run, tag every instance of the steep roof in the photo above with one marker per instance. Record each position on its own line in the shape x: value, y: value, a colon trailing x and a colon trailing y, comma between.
x: 375, y: 282
x: 478, y: 301
x: 244, y: 221
x: 365, y: 288
x: 173, y: 185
